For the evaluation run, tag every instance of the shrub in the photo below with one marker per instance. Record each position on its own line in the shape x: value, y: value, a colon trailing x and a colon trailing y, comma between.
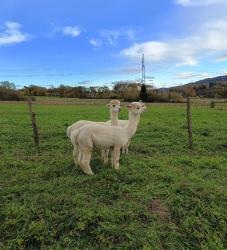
x: 175, y: 97
x: 131, y: 94
x: 154, y: 96
x: 7, y: 94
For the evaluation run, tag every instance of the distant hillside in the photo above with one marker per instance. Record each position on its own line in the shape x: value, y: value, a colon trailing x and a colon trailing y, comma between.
x: 209, y: 87
x: 217, y: 80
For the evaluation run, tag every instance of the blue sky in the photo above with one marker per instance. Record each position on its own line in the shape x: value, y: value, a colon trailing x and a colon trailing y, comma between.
x: 94, y: 42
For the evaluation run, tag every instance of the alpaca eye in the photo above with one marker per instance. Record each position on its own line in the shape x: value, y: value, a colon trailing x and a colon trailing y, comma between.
x: 138, y: 108
x: 113, y: 105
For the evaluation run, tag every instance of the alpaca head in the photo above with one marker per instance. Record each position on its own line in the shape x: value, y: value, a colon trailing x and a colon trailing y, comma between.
x: 143, y: 105
x: 136, y: 108
x: 115, y: 106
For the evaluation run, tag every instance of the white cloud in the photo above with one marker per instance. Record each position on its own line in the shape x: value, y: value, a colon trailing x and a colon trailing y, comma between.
x: 216, y: 35
x: 187, y: 75
x: 71, y: 31
x: 191, y: 3
x: 96, y: 43
x: 209, y: 39
x: 12, y: 34
x: 179, y: 51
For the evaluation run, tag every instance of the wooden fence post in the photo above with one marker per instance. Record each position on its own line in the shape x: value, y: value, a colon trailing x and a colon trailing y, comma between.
x: 189, y: 122
x: 35, y: 129
x: 34, y: 126
x: 212, y: 104
x: 30, y: 105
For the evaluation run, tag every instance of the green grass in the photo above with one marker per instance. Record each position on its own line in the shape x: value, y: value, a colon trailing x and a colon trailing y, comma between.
x: 46, y: 202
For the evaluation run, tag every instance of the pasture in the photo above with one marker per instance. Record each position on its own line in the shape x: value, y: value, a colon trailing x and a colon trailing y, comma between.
x: 165, y: 196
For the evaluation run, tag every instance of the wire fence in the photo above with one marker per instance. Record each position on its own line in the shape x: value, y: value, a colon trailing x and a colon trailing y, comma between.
x: 193, y: 124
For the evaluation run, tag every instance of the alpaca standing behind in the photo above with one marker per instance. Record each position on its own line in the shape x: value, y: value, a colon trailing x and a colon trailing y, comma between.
x: 115, y: 107
x: 105, y: 137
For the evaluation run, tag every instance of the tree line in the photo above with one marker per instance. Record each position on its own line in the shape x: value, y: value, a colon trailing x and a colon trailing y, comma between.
x: 124, y: 90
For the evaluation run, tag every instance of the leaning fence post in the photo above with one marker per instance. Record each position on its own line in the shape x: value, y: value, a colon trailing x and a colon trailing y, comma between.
x: 189, y: 122
x: 30, y: 105
x: 34, y: 126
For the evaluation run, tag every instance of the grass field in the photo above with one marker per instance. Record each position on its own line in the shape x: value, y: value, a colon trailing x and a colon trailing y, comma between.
x: 165, y: 196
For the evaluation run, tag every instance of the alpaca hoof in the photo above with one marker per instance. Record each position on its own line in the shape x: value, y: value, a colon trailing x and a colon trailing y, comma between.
x: 105, y: 161
x: 89, y: 173
x: 117, y: 167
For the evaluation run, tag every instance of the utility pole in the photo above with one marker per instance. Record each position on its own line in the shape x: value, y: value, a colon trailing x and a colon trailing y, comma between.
x: 143, y: 70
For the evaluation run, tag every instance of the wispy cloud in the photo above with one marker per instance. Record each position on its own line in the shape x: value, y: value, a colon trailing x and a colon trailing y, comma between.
x: 85, y: 82
x: 73, y: 31
x: 129, y: 70
x: 112, y: 35
x: 192, y: 3
x: 221, y: 58
x: 210, y: 38
x: 12, y: 34
x: 188, y: 75
x: 96, y: 43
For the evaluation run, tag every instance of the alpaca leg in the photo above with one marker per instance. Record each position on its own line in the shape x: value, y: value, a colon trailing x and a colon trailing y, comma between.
x: 86, y: 162
x: 112, y: 158
x: 105, y: 154
x: 80, y: 156
x: 125, y: 150
x: 116, y: 157
x: 75, y: 155
x: 127, y: 146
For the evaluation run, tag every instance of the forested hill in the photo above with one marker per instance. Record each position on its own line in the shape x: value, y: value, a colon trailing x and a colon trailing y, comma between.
x: 213, y: 80
x: 209, y: 87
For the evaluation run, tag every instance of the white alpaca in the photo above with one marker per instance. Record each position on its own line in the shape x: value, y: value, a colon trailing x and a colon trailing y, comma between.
x: 114, y: 106
x: 105, y: 137
x: 124, y: 123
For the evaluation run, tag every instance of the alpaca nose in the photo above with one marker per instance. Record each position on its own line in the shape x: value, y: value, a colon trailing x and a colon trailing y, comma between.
x: 117, y: 109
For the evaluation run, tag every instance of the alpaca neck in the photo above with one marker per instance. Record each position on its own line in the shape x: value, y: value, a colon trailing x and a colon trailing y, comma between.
x: 114, y: 118
x: 132, y: 124
x: 138, y: 120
